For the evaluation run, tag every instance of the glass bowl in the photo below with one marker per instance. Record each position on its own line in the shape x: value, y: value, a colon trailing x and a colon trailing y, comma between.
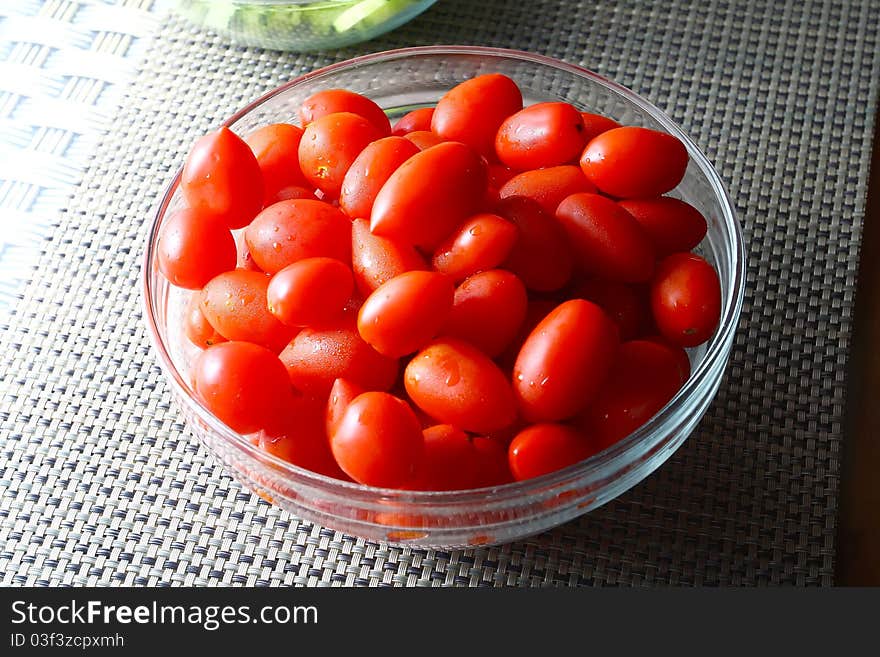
x: 399, y: 81
x: 300, y: 25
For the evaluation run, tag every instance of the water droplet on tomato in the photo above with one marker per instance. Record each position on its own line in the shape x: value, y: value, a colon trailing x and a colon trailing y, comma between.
x: 451, y: 372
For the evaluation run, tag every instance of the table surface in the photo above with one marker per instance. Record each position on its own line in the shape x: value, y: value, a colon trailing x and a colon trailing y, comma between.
x: 858, y: 537
x: 102, y: 484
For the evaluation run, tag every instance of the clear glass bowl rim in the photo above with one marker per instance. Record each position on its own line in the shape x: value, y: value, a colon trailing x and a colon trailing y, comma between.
x: 594, y: 469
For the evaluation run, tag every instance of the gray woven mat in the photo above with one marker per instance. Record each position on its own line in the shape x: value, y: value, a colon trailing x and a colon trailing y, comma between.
x: 101, y: 483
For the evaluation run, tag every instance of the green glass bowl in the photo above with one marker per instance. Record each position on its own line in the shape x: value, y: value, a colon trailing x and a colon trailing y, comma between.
x: 300, y: 25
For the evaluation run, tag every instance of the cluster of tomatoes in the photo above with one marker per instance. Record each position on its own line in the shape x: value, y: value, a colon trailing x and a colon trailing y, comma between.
x: 485, y: 293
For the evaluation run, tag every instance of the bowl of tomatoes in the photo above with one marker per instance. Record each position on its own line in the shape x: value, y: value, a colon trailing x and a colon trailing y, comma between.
x: 444, y: 296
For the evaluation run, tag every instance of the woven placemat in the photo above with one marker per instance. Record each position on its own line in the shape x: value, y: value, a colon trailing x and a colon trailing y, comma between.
x: 102, y: 484
x: 63, y: 67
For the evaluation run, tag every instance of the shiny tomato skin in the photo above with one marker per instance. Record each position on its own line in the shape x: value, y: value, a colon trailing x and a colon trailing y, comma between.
x: 472, y: 111
x: 626, y: 304
x: 482, y: 242
x: 369, y: 171
x: 315, y: 358
x: 243, y: 384
x: 310, y: 292
x: 423, y: 139
x: 376, y: 260
x: 417, y: 120
x: 276, y: 147
x: 499, y: 174
x: 644, y: 377
x: 341, y: 395
x: 541, y: 135
x: 634, y: 162
x: 197, y: 327
x: 541, y: 257
x: 547, y: 186
x: 686, y: 299
x: 673, y: 225
x: 504, y: 436
x: 455, y: 383
x: 234, y: 303
x: 449, y: 462
x: 194, y: 246
x: 682, y: 359
x: 490, y: 200
x: 547, y: 447
x: 303, y: 448
x: 331, y: 101
x: 378, y: 441
x: 596, y: 124
x: 301, y: 438
x: 608, y: 241
x: 222, y: 176
x: 564, y: 361
x: 426, y: 198
x: 404, y: 314
x: 492, y: 463
x: 488, y: 310
x: 536, y: 310
x: 328, y: 147
x: 292, y: 192
x: 288, y: 231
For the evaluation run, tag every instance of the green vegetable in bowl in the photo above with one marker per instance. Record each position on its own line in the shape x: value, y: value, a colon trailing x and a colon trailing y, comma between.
x: 310, y: 25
